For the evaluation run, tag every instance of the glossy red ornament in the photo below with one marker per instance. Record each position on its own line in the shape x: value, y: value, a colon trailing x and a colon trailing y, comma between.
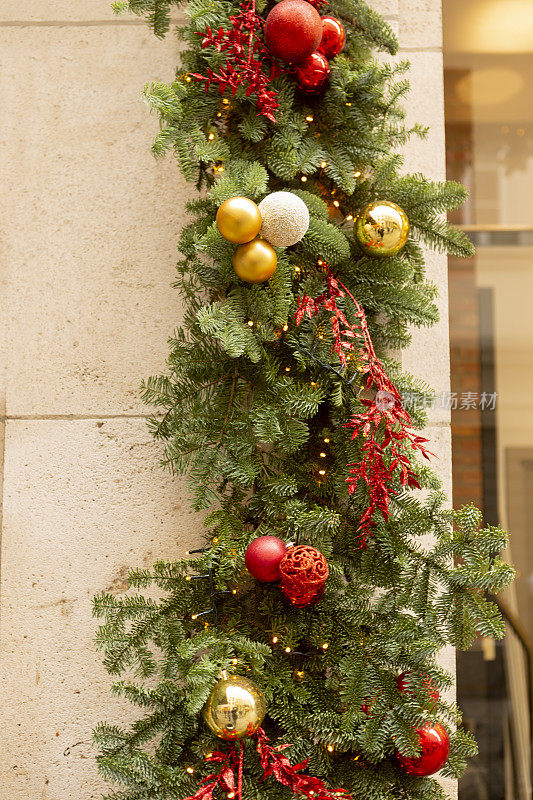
x: 293, y: 30
x: 435, y: 745
x: 304, y: 572
x: 432, y: 691
x: 263, y: 556
x: 333, y: 37
x: 312, y: 74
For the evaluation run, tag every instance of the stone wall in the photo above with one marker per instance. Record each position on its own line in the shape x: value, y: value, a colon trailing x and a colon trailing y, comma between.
x: 90, y: 224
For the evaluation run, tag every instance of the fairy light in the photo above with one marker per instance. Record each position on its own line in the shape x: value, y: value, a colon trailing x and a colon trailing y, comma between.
x: 188, y: 78
x: 225, y: 101
x: 322, y: 455
x: 325, y: 646
x: 326, y: 440
x: 349, y: 217
x: 190, y: 770
x: 208, y: 755
x: 297, y: 270
x: 320, y: 263
x: 250, y: 323
x: 187, y: 552
x: 215, y: 540
x: 287, y: 369
x: 219, y: 114
x: 324, y: 164
x: 309, y: 118
x: 287, y: 649
x: 188, y: 577
x: 321, y: 471
x: 300, y: 673
x: 303, y: 178
x: 274, y: 639
x: 330, y: 748
x: 194, y: 616
x: 336, y: 203
x: 234, y: 591
x: 285, y: 327
x: 231, y: 795
x: 314, y: 384
x: 234, y: 661
x: 349, y: 105
x: 211, y: 137
x: 357, y: 174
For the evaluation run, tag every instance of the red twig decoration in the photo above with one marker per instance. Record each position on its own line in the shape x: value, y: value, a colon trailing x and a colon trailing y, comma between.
x: 229, y: 778
x: 385, y: 425
x: 247, y: 55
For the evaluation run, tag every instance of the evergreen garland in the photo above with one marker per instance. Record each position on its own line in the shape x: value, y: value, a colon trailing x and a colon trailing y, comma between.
x: 249, y: 401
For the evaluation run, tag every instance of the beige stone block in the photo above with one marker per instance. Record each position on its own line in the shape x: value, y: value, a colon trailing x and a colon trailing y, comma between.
x: 84, y: 502
x: 387, y: 8
x: 425, y: 105
x: 420, y: 23
x: 66, y: 11
x: 90, y: 219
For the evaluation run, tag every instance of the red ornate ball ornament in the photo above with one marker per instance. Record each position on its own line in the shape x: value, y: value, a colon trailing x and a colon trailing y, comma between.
x: 293, y: 30
x: 333, y: 37
x: 432, y: 691
x: 304, y: 572
x: 311, y: 75
x: 263, y: 556
x: 435, y: 745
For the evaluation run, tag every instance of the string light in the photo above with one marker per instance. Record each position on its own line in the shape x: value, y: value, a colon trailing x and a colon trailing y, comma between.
x: 336, y: 203
x: 194, y: 616
x: 330, y: 748
x: 303, y: 179
x: 188, y: 577
x: 300, y: 674
x: 250, y: 323
x: 231, y: 795
x: 357, y: 174
x: 326, y: 440
x: 309, y: 118
x: 211, y: 137
x: 325, y: 646
x: 321, y: 471
x: 225, y: 101
x: 320, y: 263
x: 219, y: 114
x: 287, y: 649
x: 285, y: 327
x: 234, y: 661
x: 324, y: 164
x: 190, y: 770
x: 349, y: 217
x: 187, y: 552
x: 215, y: 540
x: 349, y: 105
x: 297, y: 270
x: 234, y: 591
x: 322, y: 455
x: 274, y: 639
x: 188, y: 78
x: 287, y: 369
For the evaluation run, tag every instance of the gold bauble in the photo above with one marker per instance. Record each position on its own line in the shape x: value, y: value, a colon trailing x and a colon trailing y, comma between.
x: 382, y: 228
x: 255, y: 262
x: 235, y: 708
x: 239, y: 220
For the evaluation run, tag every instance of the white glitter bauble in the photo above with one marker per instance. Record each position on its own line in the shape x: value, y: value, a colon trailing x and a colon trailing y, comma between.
x: 285, y: 219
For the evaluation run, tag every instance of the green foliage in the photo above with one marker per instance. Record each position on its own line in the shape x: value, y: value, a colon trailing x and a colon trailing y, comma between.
x: 252, y: 407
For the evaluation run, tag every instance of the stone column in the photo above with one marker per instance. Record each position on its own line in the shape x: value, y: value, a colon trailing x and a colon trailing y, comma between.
x: 88, y: 247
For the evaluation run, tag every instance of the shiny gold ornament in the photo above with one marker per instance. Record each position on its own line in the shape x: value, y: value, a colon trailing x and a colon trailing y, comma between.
x: 255, y: 262
x: 239, y: 220
x: 235, y: 708
x: 382, y: 228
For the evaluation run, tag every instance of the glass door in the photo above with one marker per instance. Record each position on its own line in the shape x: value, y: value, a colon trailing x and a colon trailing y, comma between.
x: 488, y: 57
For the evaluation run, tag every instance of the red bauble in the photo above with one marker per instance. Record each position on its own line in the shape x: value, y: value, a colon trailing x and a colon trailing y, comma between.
x: 263, y: 556
x: 333, y: 37
x: 432, y: 691
x: 293, y: 30
x: 435, y: 745
x: 304, y: 572
x: 312, y: 74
